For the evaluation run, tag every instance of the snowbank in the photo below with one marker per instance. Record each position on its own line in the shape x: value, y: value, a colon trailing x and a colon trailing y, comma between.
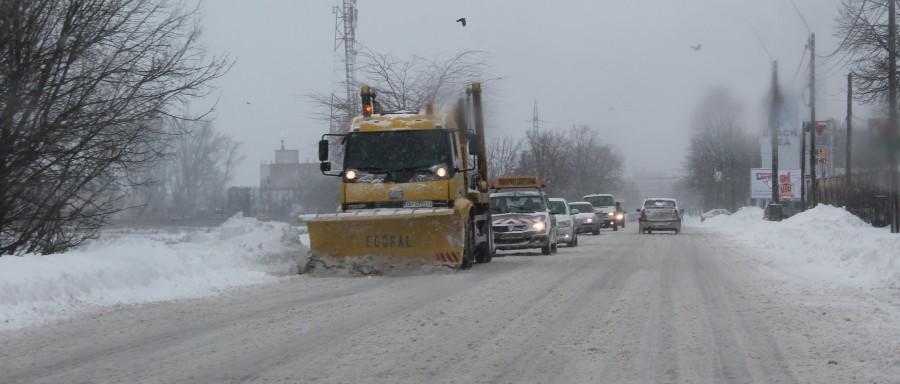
x: 824, y: 243
x: 133, y: 266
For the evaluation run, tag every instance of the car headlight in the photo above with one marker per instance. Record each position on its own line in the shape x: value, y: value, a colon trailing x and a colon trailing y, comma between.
x: 619, y: 216
x: 589, y: 220
x: 538, y: 226
x: 610, y: 214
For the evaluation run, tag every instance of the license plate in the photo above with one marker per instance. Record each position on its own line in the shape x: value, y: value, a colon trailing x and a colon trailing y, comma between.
x: 510, y: 235
x: 417, y: 204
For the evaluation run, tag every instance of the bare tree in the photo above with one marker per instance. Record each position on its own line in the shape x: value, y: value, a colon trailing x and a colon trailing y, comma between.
x: 202, y: 164
x: 404, y: 85
x: 862, y: 25
x: 597, y: 167
x: 82, y: 84
x: 503, y: 156
x: 573, y: 163
x: 192, y: 176
x: 547, y: 156
x: 719, y: 144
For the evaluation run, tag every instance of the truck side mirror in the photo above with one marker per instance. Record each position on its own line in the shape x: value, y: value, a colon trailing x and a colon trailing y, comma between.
x: 473, y: 140
x: 325, y: 166
x: 323, y: 151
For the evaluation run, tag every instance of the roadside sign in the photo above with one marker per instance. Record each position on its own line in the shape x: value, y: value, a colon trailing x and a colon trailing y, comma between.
x: 820, y: 126
x: 761, y: 183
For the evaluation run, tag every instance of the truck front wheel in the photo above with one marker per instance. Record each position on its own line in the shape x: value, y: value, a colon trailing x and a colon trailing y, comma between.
x: 468, y: 257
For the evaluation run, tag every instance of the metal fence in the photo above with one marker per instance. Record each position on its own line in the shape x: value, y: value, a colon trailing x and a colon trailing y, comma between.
x: 867, y: 196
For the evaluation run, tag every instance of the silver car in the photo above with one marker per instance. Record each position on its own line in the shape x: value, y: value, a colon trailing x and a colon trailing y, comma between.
x: 713, y: 213
x: 522, y: 219
x: 585, y: 218
x: 660, y: 214
x: 565, y: 221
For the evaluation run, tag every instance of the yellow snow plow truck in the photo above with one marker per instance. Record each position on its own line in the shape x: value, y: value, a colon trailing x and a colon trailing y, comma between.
x: 413, y: 186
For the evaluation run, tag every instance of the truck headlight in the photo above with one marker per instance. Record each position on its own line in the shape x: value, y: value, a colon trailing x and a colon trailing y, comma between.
x: 441, y: 171
x: 619, y: 216
x: 610, y: 214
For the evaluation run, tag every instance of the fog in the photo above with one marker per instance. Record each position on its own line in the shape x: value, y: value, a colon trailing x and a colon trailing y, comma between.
x: 625, y: 68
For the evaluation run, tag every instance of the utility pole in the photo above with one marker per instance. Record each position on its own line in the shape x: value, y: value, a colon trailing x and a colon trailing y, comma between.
x: 813, y: 165
x: 773, y: 125
x: 803, y: 159
x: 847, y: 173
x: 535, y: 128
x: 892, y: 115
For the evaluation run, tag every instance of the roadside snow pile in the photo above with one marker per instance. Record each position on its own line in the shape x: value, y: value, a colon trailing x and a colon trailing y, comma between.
x: 824, y: 243
x: 133, y: 267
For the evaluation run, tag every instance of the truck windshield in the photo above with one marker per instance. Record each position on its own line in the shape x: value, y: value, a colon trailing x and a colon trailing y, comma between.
x: 398, y: 150
x: 600, y: 201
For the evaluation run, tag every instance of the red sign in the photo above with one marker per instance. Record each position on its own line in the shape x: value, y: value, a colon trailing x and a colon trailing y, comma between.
x: 820, y: 126
x: 785, y: 188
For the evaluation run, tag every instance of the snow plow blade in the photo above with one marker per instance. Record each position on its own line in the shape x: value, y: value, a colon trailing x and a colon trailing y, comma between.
x: 404, y: 234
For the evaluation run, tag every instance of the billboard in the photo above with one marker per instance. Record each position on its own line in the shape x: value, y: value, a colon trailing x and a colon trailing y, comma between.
x: 761, y: 183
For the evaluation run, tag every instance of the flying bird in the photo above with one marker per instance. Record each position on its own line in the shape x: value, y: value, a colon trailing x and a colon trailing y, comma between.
x: 461, y: 20
x: 696, y: 47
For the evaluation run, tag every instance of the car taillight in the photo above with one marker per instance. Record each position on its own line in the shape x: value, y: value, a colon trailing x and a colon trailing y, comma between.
x: 676, y: 214
x: 643, y: 213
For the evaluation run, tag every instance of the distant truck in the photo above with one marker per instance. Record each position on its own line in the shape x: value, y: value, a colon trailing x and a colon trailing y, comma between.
x: 611, y: 215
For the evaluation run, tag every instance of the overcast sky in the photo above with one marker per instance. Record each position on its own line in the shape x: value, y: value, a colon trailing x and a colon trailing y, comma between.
x: 623, y: 67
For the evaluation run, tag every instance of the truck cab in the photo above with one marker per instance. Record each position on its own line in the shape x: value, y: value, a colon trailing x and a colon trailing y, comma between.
x: 413, y: 186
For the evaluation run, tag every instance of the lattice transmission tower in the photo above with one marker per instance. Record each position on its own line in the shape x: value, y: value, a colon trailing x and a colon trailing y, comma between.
x: 345, y: 36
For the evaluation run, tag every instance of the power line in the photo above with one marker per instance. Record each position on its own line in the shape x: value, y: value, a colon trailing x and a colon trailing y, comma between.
x: 844, y: 42
x: 802, y: 60
x: 801, y: 16
x: 760, y: 40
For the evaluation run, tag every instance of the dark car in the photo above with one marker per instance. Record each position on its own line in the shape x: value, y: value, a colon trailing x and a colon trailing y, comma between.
x: 789, y: 207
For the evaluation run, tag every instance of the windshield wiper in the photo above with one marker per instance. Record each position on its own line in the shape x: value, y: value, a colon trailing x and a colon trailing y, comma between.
x: 423, y: 168
x: 371, y: 169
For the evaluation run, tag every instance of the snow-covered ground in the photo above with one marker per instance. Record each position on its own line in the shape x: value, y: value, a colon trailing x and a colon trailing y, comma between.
x: 129, y: 266
x: 825, y: 244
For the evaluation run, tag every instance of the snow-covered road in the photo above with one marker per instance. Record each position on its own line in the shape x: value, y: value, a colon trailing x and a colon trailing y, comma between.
x: 619, y: 308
